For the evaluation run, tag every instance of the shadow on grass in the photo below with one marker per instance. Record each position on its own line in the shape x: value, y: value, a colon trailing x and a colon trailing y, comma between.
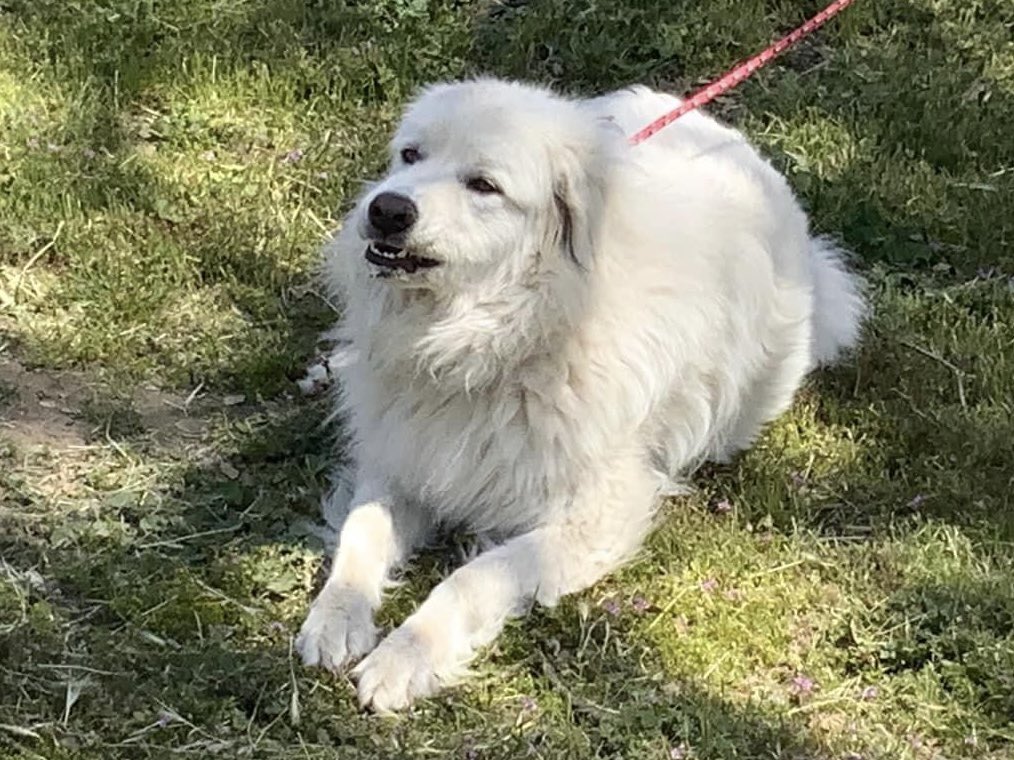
x: 163, y: 602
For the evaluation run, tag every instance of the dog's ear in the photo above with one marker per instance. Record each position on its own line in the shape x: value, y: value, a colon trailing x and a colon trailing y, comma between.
x: 565, y: 220
x: 578, y: 192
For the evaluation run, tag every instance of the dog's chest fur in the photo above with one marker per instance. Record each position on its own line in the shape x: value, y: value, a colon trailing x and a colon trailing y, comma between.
x: 485, y: 455
x: 476, y: 459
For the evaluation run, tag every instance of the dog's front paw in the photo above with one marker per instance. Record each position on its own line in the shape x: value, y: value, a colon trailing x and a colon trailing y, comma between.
x: 403, y: 668
x: 338, y: 629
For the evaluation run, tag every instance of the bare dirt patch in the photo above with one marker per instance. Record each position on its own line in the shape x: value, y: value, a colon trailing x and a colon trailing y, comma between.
x: 40, y: 408
x: 66, y: 408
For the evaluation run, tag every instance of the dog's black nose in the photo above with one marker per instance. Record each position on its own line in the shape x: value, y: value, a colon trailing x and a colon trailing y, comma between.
x: 391, y: 213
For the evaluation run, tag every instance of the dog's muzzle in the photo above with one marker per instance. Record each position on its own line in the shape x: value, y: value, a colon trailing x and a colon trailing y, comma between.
x: 397, y: 259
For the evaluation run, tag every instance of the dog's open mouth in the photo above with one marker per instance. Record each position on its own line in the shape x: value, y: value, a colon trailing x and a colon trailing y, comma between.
x: 393, y: 257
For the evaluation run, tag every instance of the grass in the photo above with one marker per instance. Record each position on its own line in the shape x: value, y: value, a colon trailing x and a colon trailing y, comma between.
x: 167, y: 172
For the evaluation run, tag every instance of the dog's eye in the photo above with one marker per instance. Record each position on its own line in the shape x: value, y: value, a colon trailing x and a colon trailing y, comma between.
x: 481, y: 185
x: 410, y: 155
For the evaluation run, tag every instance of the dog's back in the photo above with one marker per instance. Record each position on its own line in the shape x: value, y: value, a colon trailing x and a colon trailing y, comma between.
x: 756, y: 300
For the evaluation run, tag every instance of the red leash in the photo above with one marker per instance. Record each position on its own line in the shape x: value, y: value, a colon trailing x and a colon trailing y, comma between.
x: 709, y: 92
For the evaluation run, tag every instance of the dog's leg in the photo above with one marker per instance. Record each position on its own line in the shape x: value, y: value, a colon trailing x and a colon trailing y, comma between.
x: 376, y: 536
x: 467, y: 610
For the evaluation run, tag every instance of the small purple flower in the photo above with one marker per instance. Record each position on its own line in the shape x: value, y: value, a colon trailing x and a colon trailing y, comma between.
x: 971, y: 740
x: 640, y: 604
x: 611, y: 606
x: 917, y: 501
x: 709, y: 586
x: 798, y: 479
x: 680, y: 752
x: 165, y: 718
x: 914, y: 741
x: 88, y: 153
x: 293, y: 156
x: 276, y: 627
x: 721, y: 507
x: 802, y: 686
x: 528, y: 705
x: 869, y: 693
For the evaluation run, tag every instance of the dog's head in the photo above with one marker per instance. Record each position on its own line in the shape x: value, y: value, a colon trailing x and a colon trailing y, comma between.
x: 490, y: 183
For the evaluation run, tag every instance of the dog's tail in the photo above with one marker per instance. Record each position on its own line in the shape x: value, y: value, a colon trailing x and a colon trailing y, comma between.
x: 839, y: 303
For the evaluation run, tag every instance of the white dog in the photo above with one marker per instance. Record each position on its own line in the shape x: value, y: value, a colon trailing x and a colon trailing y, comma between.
x: 547, y: 328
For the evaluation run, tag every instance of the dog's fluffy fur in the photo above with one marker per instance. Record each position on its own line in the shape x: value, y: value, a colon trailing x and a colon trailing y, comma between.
x: 608, y: 320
